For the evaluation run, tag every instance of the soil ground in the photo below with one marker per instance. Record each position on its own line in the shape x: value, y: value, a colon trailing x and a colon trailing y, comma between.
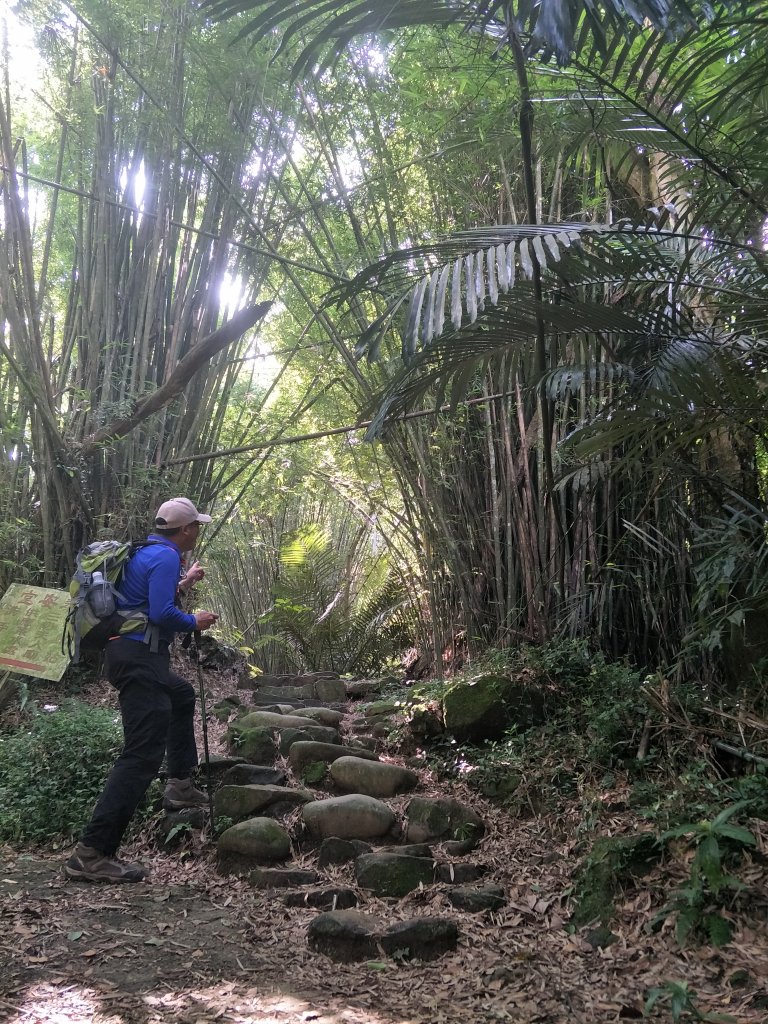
x: 190, y: 946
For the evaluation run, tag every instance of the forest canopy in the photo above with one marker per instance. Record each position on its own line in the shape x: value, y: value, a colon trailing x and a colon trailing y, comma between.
x: 521, y: 250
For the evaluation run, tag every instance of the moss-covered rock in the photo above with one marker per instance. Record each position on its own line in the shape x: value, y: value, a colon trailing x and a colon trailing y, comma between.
x: 256, y: 841
x: 425, y: 721
x: 485, y: 707
x: 611, y: 862
x: 255, y: 745
x: 444, y: 819
x: 239, y: 802
x: 393, y: 874
x: 224, y: 709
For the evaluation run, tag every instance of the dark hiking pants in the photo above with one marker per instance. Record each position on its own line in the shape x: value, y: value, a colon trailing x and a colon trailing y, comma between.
x: 158, y: 710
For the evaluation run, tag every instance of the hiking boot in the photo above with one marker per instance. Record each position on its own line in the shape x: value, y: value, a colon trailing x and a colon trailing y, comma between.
x: 89, y: 865
x: 180, y: 793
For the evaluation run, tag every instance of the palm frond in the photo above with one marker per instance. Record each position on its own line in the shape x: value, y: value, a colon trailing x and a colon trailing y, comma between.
x: 554, y: 27
x: 705, y: 95
x: 457, y: 294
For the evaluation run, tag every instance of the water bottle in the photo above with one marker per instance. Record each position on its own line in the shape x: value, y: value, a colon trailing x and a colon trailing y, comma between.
x: 100, y: 596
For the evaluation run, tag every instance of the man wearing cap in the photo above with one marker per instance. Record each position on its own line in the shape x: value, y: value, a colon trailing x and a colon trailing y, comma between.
x: 157, y: 706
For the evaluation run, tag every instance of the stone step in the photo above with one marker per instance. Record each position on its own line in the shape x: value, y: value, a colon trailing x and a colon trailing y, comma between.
x: 296, y: 721
x: 311, y: 702
x: 304, y: 753
x: 336, y: 898
x: 349, y: 936
x: 248, y: 801
x: 323, y: 689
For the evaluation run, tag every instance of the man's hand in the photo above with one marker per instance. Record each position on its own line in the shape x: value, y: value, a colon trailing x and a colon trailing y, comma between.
x: 193, y: 575
x: 204, y: 620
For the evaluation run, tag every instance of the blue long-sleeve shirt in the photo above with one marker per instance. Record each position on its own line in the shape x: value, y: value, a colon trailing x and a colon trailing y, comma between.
x: 150, y: 579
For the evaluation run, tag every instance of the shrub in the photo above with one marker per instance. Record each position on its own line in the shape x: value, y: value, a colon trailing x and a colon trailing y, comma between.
x: 52, y: 772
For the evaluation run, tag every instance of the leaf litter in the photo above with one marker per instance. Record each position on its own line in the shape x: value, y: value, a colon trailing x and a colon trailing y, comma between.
x: 191, y: 946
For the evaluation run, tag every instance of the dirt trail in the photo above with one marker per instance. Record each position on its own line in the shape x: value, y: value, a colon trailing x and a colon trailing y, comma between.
x: 191, y: 947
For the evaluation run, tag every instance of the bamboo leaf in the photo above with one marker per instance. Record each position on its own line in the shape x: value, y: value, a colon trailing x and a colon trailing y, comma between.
x: 552, y: 244
x: 510, y: 264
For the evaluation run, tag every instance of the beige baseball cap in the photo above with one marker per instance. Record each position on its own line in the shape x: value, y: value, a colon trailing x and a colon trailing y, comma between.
x: 178, y: 512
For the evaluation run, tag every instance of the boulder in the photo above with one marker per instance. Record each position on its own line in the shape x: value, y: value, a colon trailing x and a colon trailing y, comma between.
x: 238, y: 802
x: 413, y: 850
x: 287, y: 692
x: 346, y: 936
x: 303, y: 753
x: 460, y: 847
x: 425, y: 721
x: 255, y: 841
x: 363, y: 687
x: 424, y: 938
x: 392, y: 874
x: 441, y: 819
x: 379, y: 709
x: 375, y: 778
x: 366, y: 742
x: 485, y: 707
x: 218, y: 765
x: 259, y: 679
x: 290, y: 736
x: 216, y: 656
x: 224, y: 709
x: 176, y: 826
x: 349, y: 817
x: 460, y: 873
x: 612, y: 865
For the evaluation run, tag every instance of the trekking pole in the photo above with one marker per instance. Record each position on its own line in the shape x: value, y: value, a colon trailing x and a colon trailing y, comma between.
x: 201, y: 686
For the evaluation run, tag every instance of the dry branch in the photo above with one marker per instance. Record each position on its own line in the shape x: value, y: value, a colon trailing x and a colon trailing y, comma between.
x: 187, y: 367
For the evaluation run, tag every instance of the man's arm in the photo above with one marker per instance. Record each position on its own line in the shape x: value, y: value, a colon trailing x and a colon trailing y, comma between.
x: 163, y: 579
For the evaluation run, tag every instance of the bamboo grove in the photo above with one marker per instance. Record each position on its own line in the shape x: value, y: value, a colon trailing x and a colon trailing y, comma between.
x: 565, y: 257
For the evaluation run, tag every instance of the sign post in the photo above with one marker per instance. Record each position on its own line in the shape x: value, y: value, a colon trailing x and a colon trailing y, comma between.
x: 31, y: 624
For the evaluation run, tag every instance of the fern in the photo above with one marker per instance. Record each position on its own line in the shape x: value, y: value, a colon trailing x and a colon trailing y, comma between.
x: 331, y: 616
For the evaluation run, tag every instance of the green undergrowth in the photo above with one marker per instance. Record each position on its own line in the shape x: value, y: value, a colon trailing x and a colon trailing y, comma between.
x: 591, y: 742
x: 608, y: 751
x: 52, y: 769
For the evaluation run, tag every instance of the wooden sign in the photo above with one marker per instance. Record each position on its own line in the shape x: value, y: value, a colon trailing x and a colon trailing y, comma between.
x: 31, y: 624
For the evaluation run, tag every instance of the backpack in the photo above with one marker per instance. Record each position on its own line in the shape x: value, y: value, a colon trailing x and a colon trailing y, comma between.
x: 94, y: 590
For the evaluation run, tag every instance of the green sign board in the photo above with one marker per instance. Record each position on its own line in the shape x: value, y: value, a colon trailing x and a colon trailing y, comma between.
x: 31, y: 624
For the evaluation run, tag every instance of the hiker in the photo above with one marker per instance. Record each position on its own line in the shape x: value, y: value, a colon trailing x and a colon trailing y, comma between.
x: 157, y: 706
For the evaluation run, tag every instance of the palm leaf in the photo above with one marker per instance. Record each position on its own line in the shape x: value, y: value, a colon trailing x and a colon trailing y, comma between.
x: 554, y: 26
x: 494, y: 276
